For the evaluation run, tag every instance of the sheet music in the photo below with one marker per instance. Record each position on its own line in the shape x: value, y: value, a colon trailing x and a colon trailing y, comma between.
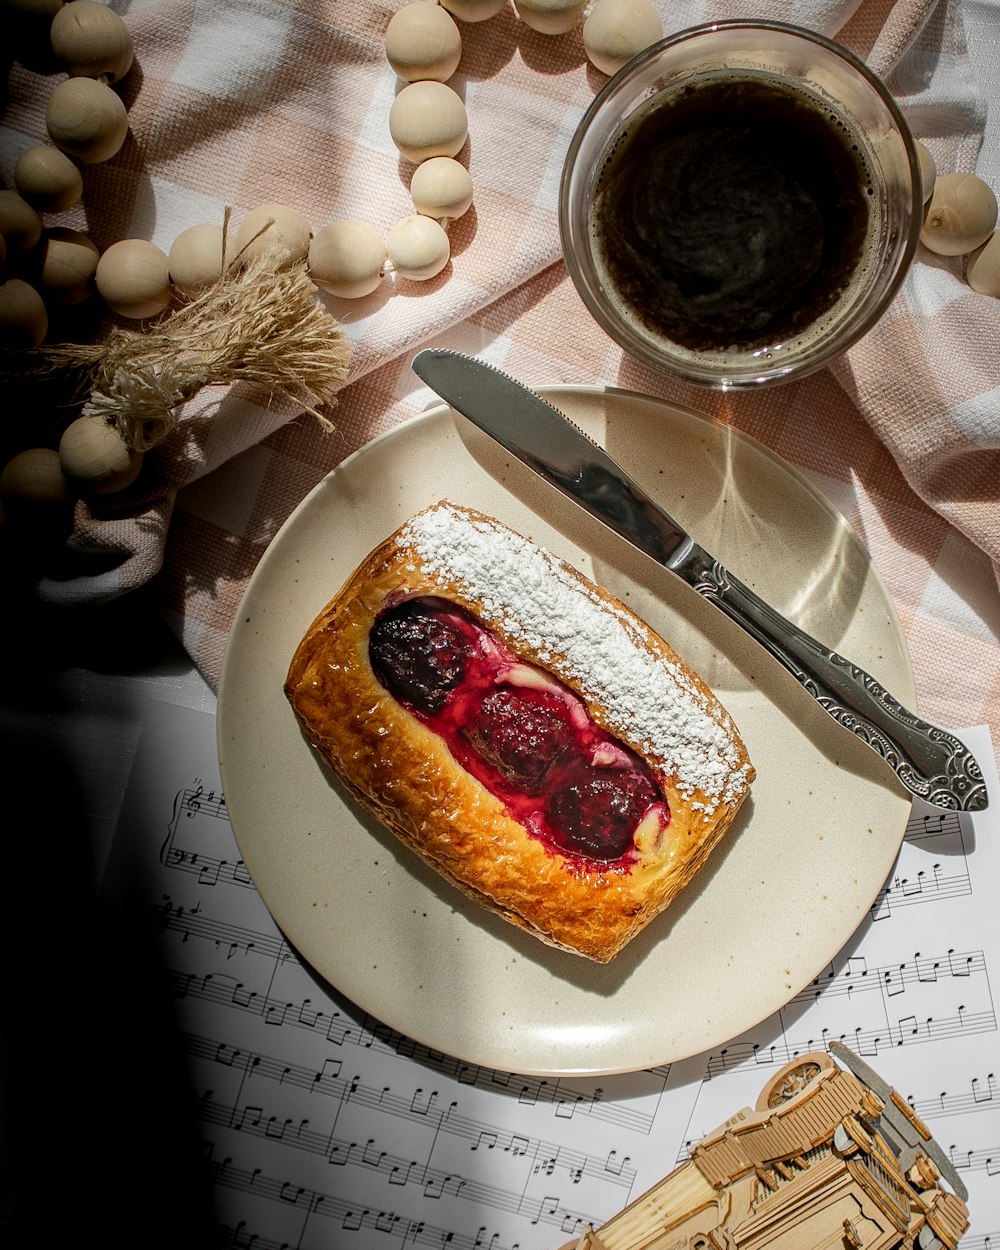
x: 323, y: 1128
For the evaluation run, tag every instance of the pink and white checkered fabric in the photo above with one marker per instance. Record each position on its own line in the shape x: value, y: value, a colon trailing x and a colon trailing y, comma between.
x: 240, y: 102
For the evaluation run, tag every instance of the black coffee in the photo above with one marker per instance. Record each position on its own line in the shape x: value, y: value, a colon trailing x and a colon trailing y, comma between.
x: 732, y: 215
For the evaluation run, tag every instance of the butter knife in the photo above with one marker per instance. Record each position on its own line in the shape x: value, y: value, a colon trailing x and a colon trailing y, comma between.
x: 930, y: 762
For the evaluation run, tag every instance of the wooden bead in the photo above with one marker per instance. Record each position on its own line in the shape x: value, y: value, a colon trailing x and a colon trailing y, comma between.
x: 93, y: 455
x: 550, y: 17
x: 20, y: 224
x: 196, y: 258
x: 90, y: 40
x: 47, y: 179
x: 133, y: 278
x: 346, y: 258
x: 983, y: 269
x: 617, y: 30
x: 441, y: 188
x: 24, y: 319
x: 418, y: 248
x: 960, y: 216
x: 69, y: 262
x: 34, y: 479
x: 273, y: 226
x: 86, y: 118
x: 428, y: 119
x: 423, y: 42
x: 473, y: 10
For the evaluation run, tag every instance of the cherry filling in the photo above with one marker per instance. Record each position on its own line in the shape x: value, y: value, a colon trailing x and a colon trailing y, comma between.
x: 519, y: 731
x: 418, y: 655
x: 523, y: 734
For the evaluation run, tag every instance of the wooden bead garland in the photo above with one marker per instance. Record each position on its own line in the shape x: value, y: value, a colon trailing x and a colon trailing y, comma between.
x: 272, y: 332
x: 428, y: 123
x: 960, y: 220
x: 87, y: 123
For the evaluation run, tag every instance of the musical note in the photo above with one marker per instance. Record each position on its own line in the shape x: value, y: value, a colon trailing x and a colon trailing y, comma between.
x: 421, y: 1102
x: 230, y: 939
x: 399, y: 1175
x: 249, y: 1116
x: 370, y: 1156
x: 937, y: 825
x: 909, y: 1027
x: 566, y: 1107
x: 241, y: 1239
x: 546, y: 1209
x: 881, y: 909
x: 962, y: 965
x: 973, y: 1160
x: 544, y: 1158
x: 936, y: 886
x: 892, y: 979
x: 615, y: 1163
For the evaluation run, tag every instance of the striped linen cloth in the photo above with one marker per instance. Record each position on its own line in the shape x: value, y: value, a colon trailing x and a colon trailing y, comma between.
x: 241, y: 102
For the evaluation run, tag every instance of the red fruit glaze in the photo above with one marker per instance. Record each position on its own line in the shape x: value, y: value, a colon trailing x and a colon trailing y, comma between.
x: 528, y: 738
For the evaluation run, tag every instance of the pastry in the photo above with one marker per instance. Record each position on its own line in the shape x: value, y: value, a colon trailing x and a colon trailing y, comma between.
x: 520, y: 729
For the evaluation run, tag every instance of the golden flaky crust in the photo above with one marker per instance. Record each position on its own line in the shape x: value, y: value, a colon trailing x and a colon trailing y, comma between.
x: 405, y: 774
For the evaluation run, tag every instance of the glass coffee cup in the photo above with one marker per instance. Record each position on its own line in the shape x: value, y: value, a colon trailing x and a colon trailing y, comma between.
x: 740, y: 203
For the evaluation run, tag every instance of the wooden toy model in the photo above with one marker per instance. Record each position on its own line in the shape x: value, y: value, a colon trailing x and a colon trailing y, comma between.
x: 831, y: 1158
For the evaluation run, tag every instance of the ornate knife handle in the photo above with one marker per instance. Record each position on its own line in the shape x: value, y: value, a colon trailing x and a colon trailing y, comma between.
x: 930, y: 762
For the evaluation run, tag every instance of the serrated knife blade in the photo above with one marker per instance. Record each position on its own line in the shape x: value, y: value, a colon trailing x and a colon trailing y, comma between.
x: 930, y: 762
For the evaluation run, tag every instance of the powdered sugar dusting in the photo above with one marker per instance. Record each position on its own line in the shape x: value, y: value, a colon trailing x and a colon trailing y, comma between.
x: 529, y: 594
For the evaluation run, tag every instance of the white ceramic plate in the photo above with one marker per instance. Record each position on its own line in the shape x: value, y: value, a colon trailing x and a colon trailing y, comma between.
x: 782, y: 895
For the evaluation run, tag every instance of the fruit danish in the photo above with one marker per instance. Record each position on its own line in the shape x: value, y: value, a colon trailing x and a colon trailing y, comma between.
x: 520, y: 729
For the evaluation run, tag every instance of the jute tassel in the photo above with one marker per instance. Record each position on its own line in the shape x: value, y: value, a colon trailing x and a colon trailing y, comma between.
x: 259, y: 323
